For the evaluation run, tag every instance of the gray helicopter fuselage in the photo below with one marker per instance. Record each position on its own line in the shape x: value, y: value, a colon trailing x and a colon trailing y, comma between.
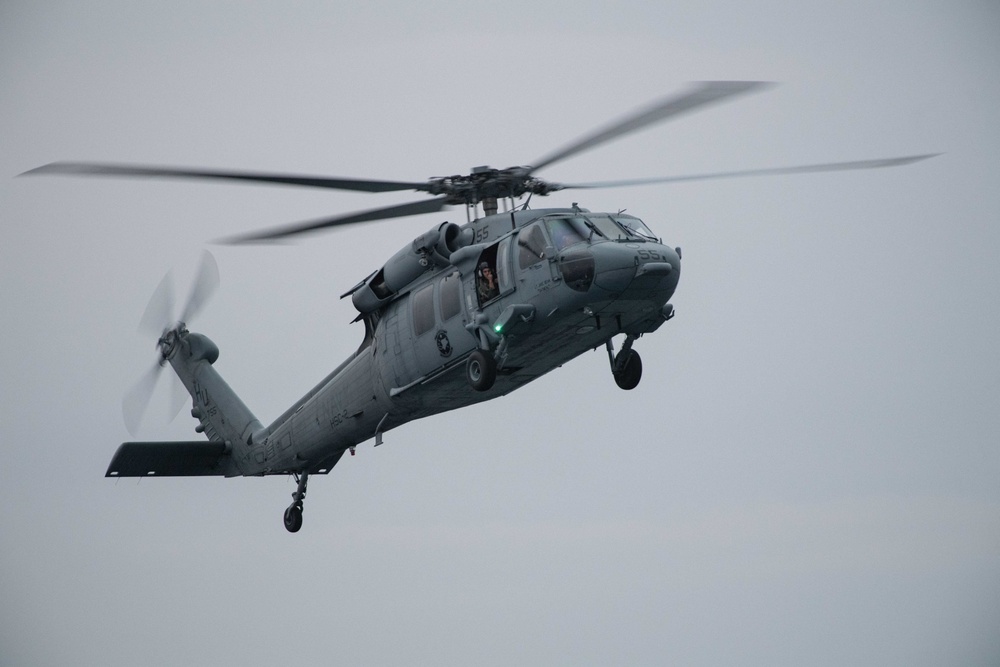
x: 461, y: 315
x: 564, y: 281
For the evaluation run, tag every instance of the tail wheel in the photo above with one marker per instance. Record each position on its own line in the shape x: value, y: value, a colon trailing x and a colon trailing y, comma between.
x: 480, y: 370
x: 630, y: 369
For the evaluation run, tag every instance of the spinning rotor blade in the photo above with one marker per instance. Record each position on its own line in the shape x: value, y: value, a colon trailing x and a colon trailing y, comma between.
x: 157, y: 321
x: 482, y: 185
x: 179, y: 396
x: 803, y: 169
x: 160, y: 309
x: 205, y: 284
x: 137, y: 398
x: 100, y: 169
x: 704, y: 93
x: 400, y: 211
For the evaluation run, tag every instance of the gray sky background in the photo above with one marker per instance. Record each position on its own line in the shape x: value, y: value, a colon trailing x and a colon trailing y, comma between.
x: 806, y: 475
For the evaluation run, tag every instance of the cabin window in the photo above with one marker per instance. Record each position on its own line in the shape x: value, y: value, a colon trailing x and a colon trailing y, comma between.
x: 451, y: 296
x: 530, y: 246
x: 423, y: 310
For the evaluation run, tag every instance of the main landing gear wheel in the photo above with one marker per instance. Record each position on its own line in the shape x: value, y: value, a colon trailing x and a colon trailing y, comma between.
x: 293, y: 519
x: 293, y: 514
x: 481, y: 370
x: 629, y: 369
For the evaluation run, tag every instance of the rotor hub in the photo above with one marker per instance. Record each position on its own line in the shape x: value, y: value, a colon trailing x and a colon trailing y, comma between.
x: 169, y: 341
x: 489, y: 183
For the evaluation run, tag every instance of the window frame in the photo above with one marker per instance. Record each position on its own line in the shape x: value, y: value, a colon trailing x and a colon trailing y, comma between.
x: 422, y: 310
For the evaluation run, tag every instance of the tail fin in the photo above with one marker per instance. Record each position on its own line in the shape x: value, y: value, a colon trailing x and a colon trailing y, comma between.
x: 224, y: 417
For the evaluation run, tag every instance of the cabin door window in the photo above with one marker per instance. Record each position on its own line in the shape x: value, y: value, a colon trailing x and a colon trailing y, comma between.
x: 493, y: 272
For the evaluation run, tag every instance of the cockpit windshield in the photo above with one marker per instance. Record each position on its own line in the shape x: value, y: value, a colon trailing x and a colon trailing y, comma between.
x: 636, y: 227
x: 569, y: 230
x: 607, y: 228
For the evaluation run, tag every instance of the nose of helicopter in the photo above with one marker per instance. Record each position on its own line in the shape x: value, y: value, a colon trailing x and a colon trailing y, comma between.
x: 621, y: 266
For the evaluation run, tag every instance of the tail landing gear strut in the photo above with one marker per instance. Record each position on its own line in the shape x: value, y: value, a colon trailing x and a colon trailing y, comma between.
x: 293, y: 515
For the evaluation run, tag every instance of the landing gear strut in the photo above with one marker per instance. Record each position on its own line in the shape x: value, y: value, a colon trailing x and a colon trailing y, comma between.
x: 626, y: 366
x: 293, y: 515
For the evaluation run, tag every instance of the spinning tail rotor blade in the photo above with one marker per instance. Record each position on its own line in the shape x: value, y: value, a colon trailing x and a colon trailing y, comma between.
x: 205, y: 284
x: 703, y: 94
x: 160, y: 309
x: 178, y: 397
x: 158, y: 320
x: 137, y: 398
x: 801, y: 169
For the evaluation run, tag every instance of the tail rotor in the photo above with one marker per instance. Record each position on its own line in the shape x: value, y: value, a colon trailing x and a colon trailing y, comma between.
x: 158, y: 319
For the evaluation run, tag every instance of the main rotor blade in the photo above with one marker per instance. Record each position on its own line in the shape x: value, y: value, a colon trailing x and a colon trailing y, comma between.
x: 205, y: 284
x: 803, y: 169
x: 100, y: 169
x: 704, y: 93
x: 400, y: 211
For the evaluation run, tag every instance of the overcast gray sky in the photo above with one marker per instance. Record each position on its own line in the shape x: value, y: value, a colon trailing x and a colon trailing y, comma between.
x: 806, y: 475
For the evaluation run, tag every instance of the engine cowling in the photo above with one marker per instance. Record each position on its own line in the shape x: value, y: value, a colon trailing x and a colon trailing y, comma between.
x: 425, y: 252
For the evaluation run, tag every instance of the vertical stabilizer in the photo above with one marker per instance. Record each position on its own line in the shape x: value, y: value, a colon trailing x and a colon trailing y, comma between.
x: 222, y: 415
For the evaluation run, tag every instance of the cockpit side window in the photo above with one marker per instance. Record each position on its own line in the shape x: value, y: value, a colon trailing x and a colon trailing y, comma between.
x: 530, y: 246
x: 567, y: 231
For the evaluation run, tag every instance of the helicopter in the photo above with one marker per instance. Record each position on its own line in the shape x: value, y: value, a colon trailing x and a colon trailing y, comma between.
x: 460, y: 315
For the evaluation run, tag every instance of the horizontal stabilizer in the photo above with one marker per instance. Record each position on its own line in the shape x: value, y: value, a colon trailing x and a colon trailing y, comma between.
x: 170, y: 459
